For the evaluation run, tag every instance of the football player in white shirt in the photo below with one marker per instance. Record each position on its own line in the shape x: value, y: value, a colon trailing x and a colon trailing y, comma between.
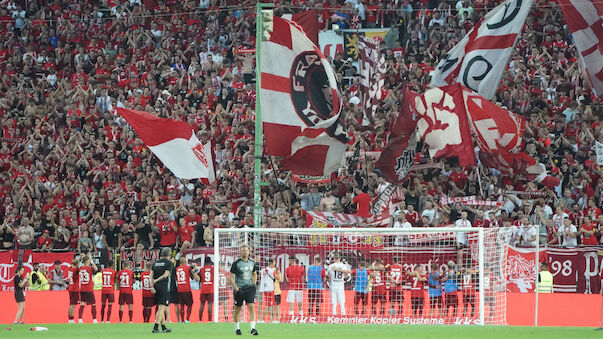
x: 268, y: 276
x: 337, y: 272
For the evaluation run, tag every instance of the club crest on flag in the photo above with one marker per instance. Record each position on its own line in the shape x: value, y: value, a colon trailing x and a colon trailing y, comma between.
x: 200, y: 154
x: 310, y: 90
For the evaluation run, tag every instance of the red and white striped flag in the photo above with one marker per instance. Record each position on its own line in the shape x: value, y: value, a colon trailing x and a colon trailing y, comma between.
x: 585, y: 20
x: 372, y: 77
x: 300, y: 103
x: 479, y: 59
x: 174, y: 143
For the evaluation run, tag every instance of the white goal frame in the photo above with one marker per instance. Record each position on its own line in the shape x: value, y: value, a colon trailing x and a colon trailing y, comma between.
x: 393, y: 231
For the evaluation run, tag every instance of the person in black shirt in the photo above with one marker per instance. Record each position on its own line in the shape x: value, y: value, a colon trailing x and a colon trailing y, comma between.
x: 143, y: 235
x: 162, y: 269
x: 20, y: 284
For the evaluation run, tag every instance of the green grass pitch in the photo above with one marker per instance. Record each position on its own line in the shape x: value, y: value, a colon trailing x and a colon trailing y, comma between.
x: 290, y: 331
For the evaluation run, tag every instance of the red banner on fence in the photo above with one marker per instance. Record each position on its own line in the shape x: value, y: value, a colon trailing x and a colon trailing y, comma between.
x: 574, y: 269
x: 9, y: 261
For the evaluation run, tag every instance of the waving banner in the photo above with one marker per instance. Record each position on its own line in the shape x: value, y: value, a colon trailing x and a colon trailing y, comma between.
x: 372, y: 77
x: 479, y: 59
x: 300, y: 102
x: 444, y: 125
x: 585, y: 20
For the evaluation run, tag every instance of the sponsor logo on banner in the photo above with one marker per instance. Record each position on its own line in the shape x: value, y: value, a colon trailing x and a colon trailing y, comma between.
x: 378, y: 320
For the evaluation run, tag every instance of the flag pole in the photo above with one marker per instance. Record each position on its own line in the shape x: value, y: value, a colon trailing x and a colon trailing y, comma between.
x: 259, y: 135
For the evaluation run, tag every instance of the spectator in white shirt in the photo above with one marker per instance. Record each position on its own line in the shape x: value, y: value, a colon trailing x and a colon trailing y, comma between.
x: 529, y: 233
x: 430, y: 212
x: 400, y: 222
x: 461, y: 237
x: 568, y: 233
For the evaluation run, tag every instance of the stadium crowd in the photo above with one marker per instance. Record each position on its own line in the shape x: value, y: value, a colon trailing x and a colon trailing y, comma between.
x: 75, y: 176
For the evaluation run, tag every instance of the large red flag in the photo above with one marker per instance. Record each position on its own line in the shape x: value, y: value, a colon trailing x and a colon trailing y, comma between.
x: 444, y: 125
x: 498, y: 134
x: 174, y: 143
x: 301, y: 104
x: 398, y: 155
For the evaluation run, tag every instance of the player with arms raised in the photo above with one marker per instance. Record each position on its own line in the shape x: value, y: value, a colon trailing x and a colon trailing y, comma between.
x: 183, y: 284
x: 361, y: 286
x: 268, y: 277
x: 74, y: 294
x: 148, y: 299
x: 469, y: 275
x: 379, y: 293
x: 206, y: 274
x: 125, y: 278
x: 85, y: 274
x: 316, y: 280
x: 417, y: 290
x: 108, y: 291
x: 337, y: 272
x: 294, y: 274
x: 397, y: 280
x: 243, y: 279
x: 435, y: 290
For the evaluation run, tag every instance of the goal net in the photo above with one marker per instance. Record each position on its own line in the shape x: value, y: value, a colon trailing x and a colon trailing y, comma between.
x: 442, y: 275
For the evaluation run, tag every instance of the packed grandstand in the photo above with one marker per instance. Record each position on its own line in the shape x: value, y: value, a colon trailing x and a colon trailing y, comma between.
x: 75, y: 177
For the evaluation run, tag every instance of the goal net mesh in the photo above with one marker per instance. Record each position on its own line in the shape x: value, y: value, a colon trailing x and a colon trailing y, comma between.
x: 375, y: 276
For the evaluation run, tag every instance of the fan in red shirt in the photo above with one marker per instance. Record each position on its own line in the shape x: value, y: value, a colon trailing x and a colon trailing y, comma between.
x: 108, y: 291
x: 167, y: 231
x: 192, y: 218
x: 294, y: 275
x: 412, y: 216
x: 126, y: 279
x: 481, y: 220
x: 397, y: 279
x: 588, y: 230
x: 183, y: 283
x: 186, y: 233
x: 74, y: 295
x: 148, y: 298
x: 469, y: 291
x: 85, y: 274
x: 206, y: 274
x: 379, y: 293
x: 363, y: 203
x: 417, y: 290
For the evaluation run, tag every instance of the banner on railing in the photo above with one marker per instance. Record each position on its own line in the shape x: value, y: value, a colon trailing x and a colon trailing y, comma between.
x: 574, y: 270
x: 10, y: 259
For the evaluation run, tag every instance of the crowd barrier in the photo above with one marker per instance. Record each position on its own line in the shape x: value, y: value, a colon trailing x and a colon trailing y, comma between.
x: 558, y: 309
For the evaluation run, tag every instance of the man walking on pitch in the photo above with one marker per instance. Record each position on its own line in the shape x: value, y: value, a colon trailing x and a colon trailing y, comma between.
x: 243, y: 279
x: 161, y: 287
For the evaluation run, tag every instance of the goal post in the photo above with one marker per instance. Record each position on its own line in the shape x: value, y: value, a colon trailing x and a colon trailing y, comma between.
x: 443, y: 275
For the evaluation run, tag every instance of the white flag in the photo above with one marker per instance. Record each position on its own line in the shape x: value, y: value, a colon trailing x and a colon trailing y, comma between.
x: 479, y: 59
